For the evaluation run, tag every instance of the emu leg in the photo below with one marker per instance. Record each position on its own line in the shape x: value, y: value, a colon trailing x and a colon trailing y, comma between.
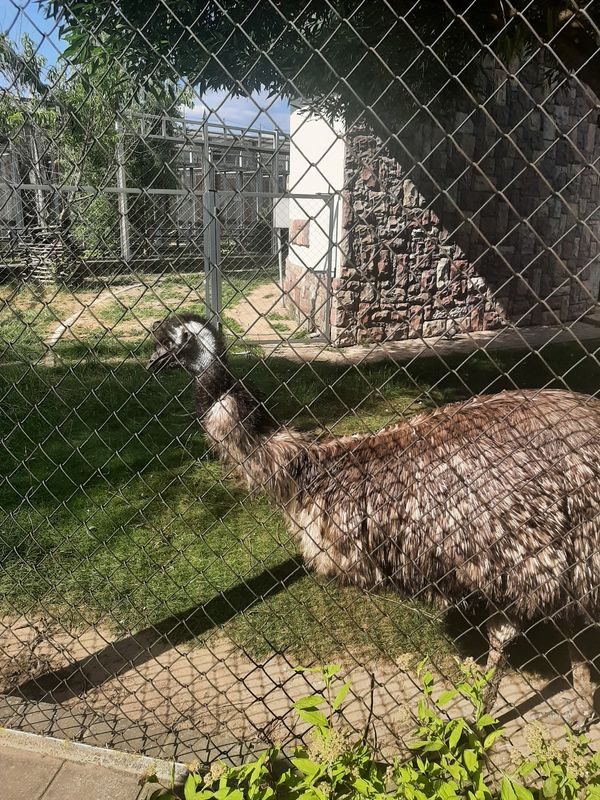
x: 582, y: 712
x: 499, y: 632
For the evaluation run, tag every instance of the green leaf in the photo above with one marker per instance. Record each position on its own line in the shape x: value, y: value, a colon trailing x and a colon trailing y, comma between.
x: 456, y: 733
x: 492, y: 737
x: 310, y: 702
x: 328, y: 671
x: 521, y: 792
x: 417, y: 743
x: 550, y: 788
x: 306, y: 766
x: 316, y: 718
x: 364, y: 787
x: 447, y: 791
x: 433, y: 747
x: 526, y: 768
x: 486, y: 720
x: 506, y: 789
x: 427, y: 679
x: 446, y: 697
x: 341, y: 695
x: 471, y: 760
x: 189, y: 790
x: 331, y: 670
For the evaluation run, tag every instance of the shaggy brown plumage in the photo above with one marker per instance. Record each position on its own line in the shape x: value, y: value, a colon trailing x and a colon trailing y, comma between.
x: 491, y: 501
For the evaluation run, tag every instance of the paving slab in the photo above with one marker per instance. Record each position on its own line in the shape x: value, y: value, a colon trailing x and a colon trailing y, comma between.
x: 23, y: 777
x: 36, y: 767
x: 93, y: 782
x: 26, y: 775
x: 510, y: 338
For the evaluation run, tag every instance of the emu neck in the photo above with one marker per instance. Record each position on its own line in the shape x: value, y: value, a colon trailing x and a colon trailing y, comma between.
x: 245, y: 435
x: 211, y: 384
x: 231, y: 415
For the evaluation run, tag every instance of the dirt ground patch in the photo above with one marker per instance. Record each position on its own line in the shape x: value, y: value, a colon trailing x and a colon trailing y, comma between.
x: 217, y: 688
x: 126, y: 312
x: 262, y: 317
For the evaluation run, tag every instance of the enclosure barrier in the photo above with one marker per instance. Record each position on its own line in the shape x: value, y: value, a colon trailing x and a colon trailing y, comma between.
x: 425, y: 232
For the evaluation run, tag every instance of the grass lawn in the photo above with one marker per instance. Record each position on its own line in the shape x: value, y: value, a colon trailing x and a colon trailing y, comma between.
x: 113, y: 511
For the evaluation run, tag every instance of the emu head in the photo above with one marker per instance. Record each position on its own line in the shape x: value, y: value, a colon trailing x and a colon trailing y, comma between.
x: 187, y: 341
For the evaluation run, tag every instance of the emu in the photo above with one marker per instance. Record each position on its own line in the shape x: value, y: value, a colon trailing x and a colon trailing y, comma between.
x: 490, y: 502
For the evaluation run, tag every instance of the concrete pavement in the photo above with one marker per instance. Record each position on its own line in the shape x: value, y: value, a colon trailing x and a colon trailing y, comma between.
x: 463, y: 344
x: 43, y: 768
x: 25, y: 775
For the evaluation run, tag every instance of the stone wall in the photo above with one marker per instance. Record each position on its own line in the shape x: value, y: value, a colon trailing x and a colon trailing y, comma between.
x: 467, y: 228
x: 403, y: 276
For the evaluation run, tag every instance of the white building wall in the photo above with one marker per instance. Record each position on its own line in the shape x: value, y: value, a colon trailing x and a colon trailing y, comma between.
x: 317, y: 154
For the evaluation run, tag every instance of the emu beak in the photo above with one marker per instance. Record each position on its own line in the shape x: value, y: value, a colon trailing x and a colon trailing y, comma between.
x: 157, y: 360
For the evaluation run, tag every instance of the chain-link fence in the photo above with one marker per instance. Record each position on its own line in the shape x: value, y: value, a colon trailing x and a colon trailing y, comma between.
x: 408, y: 217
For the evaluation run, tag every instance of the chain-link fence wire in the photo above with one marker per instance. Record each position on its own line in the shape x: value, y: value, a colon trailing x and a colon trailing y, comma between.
x: 152, y: 603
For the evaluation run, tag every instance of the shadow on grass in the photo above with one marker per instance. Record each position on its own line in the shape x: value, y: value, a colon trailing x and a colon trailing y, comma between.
x: 542, y: 648
x: 133, y: 651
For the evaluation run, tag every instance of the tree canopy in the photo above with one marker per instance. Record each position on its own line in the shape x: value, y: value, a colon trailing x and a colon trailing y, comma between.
x: 61, y: 120
x: 356, y: 58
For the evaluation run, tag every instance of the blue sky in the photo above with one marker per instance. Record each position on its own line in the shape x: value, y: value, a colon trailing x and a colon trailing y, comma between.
x: 24, y: 16
x: 255, y: 111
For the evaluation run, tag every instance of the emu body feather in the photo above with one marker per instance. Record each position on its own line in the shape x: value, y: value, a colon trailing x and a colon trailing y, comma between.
x: 495, y: 499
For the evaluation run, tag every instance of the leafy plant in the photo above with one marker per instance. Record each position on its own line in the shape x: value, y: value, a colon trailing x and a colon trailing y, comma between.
x: 394, y: 56
x: 566, y: 772
x: 449, y: 756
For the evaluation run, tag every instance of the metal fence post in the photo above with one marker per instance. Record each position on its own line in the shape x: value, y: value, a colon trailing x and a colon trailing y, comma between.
x: 37, y: 177
x: 122, y: 196
x: 212, y: 238
x: 276, y: 237
x: 329, y: 266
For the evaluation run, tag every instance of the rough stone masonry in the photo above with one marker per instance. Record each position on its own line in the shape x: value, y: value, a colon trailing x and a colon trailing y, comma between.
x: 471, y: 223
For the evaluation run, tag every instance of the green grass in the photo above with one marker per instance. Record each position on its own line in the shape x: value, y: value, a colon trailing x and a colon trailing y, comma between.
x: 165, y: 293
x: 23, y: 325
x: 279, y: 326
x: 114, y: 512
x: 285, y: 324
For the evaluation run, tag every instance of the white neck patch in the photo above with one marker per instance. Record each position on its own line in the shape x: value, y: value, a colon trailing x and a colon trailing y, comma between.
x: 206, y: 340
